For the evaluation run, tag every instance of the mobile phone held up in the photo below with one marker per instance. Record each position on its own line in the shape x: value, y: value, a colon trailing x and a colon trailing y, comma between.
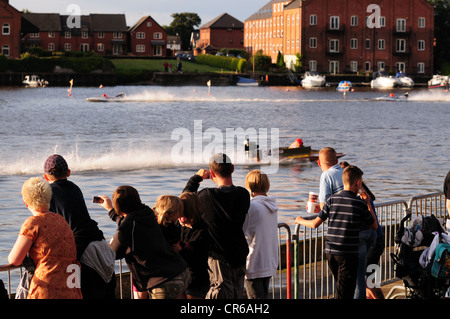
x: 98, y: 200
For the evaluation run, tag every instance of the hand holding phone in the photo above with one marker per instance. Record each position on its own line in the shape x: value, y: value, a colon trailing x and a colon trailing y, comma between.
x: 98, y: 200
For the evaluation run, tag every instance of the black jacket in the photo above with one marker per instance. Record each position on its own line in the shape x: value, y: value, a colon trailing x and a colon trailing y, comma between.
x: 149, y: 257
x: 224, y: 211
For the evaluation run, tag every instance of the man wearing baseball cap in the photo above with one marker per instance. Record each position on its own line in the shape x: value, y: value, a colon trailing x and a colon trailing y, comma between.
x: 93, y: 252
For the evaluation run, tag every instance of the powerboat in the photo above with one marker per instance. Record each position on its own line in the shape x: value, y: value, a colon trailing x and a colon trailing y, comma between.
x: 313, y: 79
x: 381, y: 80
x: 246, y: 82
x: 344, y: 86
x: 402, y: 80
x: 105, y: 98
x: 439, y: 82
x: 33, y: 81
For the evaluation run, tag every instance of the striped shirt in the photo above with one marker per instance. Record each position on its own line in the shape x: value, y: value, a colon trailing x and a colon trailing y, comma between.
x: 347, y: 213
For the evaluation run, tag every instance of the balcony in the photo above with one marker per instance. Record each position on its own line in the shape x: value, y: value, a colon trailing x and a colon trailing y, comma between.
x: 330, y: 52
x: 406, y: 32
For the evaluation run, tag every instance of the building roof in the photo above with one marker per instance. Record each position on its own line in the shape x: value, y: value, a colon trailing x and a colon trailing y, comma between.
x: 265, y: 12
x: 293, y: 5
x: 224, y: 21
x: 108, y: 22
x: 36, y: 22
x: 84, y: 24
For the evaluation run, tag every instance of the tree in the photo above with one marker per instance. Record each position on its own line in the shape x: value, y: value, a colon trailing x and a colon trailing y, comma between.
x: 441, y: 32
x: 183, y: 24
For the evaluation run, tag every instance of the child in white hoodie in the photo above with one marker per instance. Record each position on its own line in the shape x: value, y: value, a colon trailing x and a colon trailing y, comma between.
x: 261, y: 231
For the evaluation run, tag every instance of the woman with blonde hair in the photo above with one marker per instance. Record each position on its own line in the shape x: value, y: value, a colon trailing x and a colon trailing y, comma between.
x: 48, y: 240
x: 168, y: 209
x: 260, y: 230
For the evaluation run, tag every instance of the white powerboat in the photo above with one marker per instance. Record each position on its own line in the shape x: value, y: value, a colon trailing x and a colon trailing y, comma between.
x: 402, y: 80
x: 381, y: 80
x: 33, y: 81
x: 439, y: 82
x: 313, y: 79
x: 246, y: 82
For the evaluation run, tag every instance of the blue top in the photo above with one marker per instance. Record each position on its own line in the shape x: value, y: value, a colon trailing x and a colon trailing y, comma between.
x: 330, y: 182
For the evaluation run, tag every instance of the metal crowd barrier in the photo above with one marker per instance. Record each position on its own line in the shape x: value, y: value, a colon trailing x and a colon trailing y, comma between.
x: 303, y: 271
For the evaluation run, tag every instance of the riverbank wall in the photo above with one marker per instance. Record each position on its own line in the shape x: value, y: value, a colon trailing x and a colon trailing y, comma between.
x: 95, y: 79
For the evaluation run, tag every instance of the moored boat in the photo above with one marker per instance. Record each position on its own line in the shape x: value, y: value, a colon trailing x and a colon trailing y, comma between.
x: 313, y: 79
x: 439, y: 82
x: 402, y: 80
x: 344, y: 86
x: 381, y: 80
x: 33, y: 81
x: 246, y: 82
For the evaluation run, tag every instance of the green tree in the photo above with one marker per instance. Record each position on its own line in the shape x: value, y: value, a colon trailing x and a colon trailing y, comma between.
x: 183, y: 24
x: 441, y: 32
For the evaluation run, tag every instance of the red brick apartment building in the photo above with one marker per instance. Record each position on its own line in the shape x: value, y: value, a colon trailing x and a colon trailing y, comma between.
x: 147, y: 38
x: 10, y: 21
x: 346, y: 36
x: 224, y: 32
x: 101, y: 33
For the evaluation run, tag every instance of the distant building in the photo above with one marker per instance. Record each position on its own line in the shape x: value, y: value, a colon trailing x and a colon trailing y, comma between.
x: 173, y: 44
x: 224, y: 32
x: 104, y: 34
x: 11, y: 24
x: 346, y: 36
x: 148, y: 38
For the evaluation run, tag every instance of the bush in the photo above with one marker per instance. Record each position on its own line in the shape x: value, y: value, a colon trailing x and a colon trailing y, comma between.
x: 262, y: 62
x: 223, y: 62
x: 3, y: 63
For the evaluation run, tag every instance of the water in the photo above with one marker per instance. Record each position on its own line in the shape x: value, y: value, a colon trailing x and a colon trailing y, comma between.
x: 402, y: 147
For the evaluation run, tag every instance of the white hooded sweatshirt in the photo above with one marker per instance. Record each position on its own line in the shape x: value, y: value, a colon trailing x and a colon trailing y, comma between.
x: 261, y: 231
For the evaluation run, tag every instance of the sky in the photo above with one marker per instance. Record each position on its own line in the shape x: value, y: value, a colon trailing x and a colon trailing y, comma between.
x: 160, y: 10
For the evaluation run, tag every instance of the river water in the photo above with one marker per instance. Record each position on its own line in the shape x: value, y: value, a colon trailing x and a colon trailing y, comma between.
x: 160, y: 138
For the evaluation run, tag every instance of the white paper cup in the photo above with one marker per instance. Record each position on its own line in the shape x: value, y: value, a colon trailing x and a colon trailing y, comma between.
x: 311, y: 207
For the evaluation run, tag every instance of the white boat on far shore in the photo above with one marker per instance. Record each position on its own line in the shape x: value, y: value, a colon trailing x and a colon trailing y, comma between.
x: 381, y: 80
x: 403, y: 81
x: 33, y: 81
x: 313, y: 79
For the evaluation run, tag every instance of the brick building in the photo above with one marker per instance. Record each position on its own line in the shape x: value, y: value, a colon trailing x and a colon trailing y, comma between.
x: 224, y: 32
x: 346, y: 36
x: 11, y: 24
x: 147, y: 38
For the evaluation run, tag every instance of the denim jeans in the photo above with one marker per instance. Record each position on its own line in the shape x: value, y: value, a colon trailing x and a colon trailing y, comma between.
x: 367, y: 239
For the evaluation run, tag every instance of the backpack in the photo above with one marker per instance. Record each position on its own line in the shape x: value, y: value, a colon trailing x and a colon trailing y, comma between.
x: 440, y: 267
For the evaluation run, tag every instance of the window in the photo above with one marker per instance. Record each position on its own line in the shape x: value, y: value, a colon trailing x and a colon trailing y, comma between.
x: 149, y: 24
x: 100, y: 47
x: 381, y: 44
x: 51, y: 34
x: 353, y: 66
x: 421, y: 45
x: 6, y: 29
x: 117, y: 35
x: 334, y: 23
x: 334, y: 67
x: 313, y: 65
x: 84, y: 47
x: 401, y: 25
x: 334, y: 45
x: 34, y: 35
x: 381, y: 66
x: 101, y: 35
x: 367, y: 66
x: 67, y: 46
x: 400, y: 66
x: 67, y: 35
x: 140, y: 35
x: 382, y: 21
x: 140, y: 48
x: 420, y: 67
x: 354, y: 21
x: 353, y: 43
x: 312, y: 19
x: 5, y: 50
x: 84, y: 35
x: 401, y: 45
x: 367, y: 44
x: 157, y: 35
x: 51, y: 47
x: 421, y: 23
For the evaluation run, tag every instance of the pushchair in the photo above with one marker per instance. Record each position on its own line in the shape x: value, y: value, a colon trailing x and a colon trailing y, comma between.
x: 411, y: 244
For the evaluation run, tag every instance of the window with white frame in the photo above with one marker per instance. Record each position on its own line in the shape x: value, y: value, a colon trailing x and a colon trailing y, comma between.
x: 6, y: 29
x: 140, y: 48
x: 420, y: 67
x: 100, y: 47
x: 400, y: 66
x: 84, y: 35
x: 157, y: 35
x: 51, y: 34
x: 401, y: 25
x: 101, y: 35
x: 353, y: 66
x: 334, y: 23
x: 67, y: 35
x: 141, y: 35
x: 117, y: 35
x: 51, y: 47
x: 334, y: 45
x: 400, y: 45
x: 353, y: 43
x: 381, y: 44
x: 381, y: 65
x: 354, y: 21
x: 368, y: 45
x: 5, y: 50
x: 367, y: 66
x: 421, y: 45
x: 421, y: 23
x: 382, y: 22
x: 149, y: 24
x: 67, y: 46
x: 34, y: 35
x: 313, y: 65
x: 312, y: 19
x: 313, y: 43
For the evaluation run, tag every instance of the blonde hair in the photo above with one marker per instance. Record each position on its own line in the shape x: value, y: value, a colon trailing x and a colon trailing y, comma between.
x: 192, y: 207
x: 37, y: 193
x: 257, y: 182
x: 166, y: 206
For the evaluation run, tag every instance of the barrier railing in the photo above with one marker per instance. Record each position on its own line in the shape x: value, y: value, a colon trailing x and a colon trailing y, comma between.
x: 303, y: 251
